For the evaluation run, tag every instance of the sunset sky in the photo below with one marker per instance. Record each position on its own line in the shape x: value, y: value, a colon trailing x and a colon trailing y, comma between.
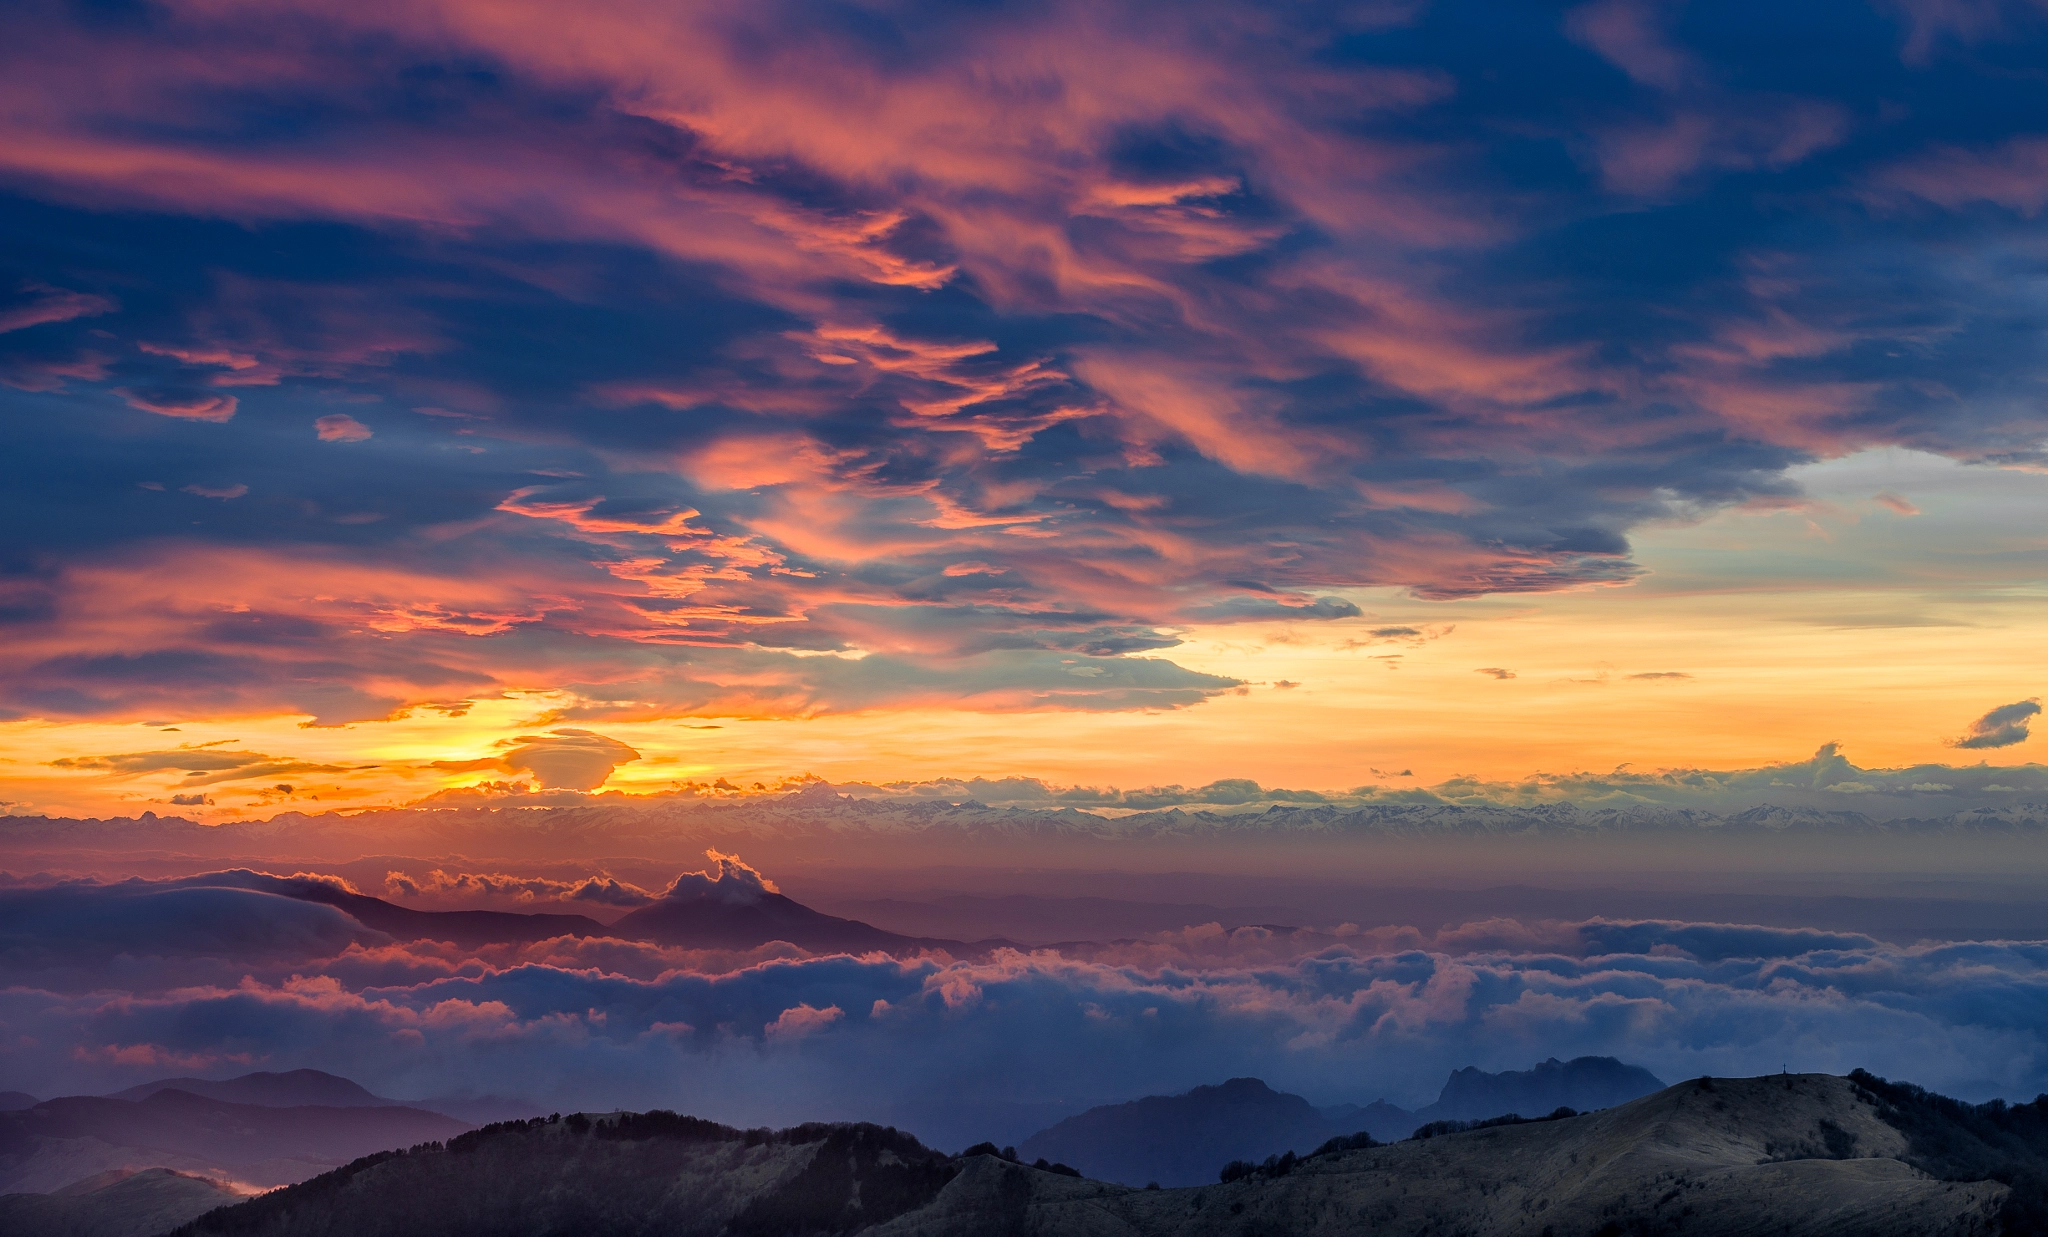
x: 403, y: 398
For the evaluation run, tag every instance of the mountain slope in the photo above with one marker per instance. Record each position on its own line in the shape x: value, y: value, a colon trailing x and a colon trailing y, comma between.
x: 292, y: 1089
x: 1810, y: 1155
x: 115, y: 1204
x: 1801, y: 1154
x: 622, y: 1175
x: 732, y: 906
x: 1182, y: 1139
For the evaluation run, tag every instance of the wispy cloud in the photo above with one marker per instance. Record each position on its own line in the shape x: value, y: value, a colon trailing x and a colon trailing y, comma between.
x: 720, y: 359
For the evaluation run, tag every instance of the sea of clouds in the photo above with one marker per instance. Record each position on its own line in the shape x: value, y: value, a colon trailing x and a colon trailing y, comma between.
x: 112, y: 984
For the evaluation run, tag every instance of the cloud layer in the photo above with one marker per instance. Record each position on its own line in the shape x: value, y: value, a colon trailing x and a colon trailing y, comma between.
x: 1339, y: 1015
x: 764, y: 362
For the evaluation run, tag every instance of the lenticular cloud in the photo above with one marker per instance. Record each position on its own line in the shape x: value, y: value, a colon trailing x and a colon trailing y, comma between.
x: 960, y: 1049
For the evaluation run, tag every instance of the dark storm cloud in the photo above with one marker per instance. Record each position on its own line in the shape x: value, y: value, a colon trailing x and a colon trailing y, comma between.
x: 973, y: 339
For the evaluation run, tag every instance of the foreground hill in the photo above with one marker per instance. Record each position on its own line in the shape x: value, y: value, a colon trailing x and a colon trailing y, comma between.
x: 1806, y: 1154
x: 118, y: 1203
x: 60, y: 1141
x: 618, y: 1174
x: 1800, y: 1154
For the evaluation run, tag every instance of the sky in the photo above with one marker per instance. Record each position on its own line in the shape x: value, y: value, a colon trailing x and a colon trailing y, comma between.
x: 1370, y: 404
x: 412, y: 398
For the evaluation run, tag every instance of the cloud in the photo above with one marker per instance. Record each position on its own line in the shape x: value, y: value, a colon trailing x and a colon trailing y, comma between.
x: 1792, y: 785
x: 1894, y: 503
x: 47, y: 304
x: 857, y: 377
x: 1661, y: 675
x: 599, y: 890
x: 216, y: 491
x: 1496, y: 671
x: 778, y: 1039
x: 113, y: 931
x: 726, y: 880
x: 2003, y: 726
x: 801, y: 1020
x: 575, y: 759
x: 340, y: 427
x: 186, y: 406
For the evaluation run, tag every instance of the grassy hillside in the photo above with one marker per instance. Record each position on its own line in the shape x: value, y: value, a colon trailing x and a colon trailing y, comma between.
x: 619, y: 1175
x: 1805, y: 1154
x: 115, y: 1204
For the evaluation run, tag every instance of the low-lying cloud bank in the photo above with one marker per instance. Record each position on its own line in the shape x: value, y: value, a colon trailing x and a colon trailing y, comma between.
x: 964, y: 1049
x: 1827, y: 781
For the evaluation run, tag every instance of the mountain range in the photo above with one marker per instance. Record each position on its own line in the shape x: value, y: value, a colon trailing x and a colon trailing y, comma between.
x: 1470, y: 1094
x: 1183, y: 1139
x: 62, y: 1141
x: 292, y: 1089
x: 1797, y: 1154
x: 728, y: 913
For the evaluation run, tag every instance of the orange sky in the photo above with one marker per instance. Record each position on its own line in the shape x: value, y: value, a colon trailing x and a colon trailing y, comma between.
x: 1763, y: 633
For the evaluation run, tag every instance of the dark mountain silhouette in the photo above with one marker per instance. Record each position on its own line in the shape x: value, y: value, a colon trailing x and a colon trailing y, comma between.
x: 1384, y: 1121
x: 733, y: 907
x: 649, y: 1173
x: 117, y: 1203
x: 402, y: 923
x: 293, y: 1089
x: 1798, y: 1154
x: 13, y: 1100
x: 1471, y: 1094
x: 1182, y: 1139
x: 61, y: 1140
x: 1583, y: 1083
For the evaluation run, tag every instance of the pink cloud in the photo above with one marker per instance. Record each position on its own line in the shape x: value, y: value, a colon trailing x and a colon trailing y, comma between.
x: 340, y: 427
x: 2013, y: 174
x: 192, y: 407
x: 49, y: 304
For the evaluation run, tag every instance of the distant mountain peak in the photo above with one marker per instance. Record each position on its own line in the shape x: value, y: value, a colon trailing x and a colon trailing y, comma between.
x: 1582, y: 1083
x: 290, y: 1089
x: 1182, y: 1139
x: 730, y: 905
x: 816, y: 794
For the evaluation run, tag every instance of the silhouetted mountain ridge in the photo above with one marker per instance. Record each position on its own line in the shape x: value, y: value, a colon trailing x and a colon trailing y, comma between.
x: 1795, y: 1154
x: 293, y: 1089
x: 61, y: 1140
x: 1181, y: 1139
x: 733, y: 910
